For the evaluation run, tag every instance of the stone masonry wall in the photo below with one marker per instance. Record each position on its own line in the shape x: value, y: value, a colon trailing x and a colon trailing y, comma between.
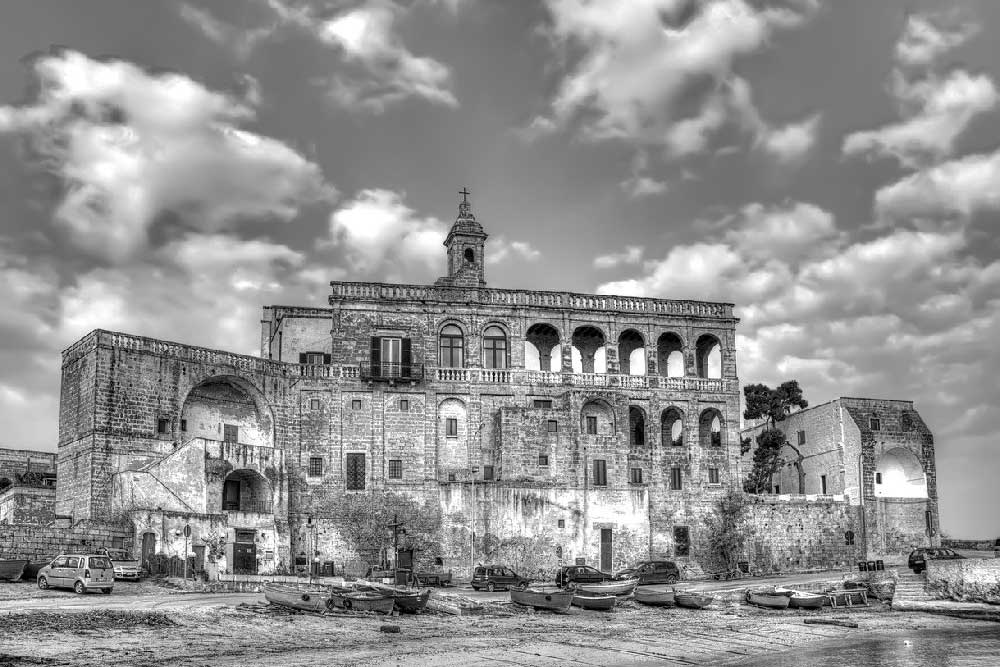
x: 785, y: 535
x: 28, y: 504
x: 41, y: 542
x: 970, y: 580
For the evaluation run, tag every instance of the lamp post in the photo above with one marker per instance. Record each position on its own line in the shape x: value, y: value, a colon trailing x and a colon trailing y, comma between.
x: 472, y: 537
x: 187, y: 536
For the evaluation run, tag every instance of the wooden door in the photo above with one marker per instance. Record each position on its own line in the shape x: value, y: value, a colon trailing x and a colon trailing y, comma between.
x: 606, y: 549
x: 231, y: 494
x: 245, y: 558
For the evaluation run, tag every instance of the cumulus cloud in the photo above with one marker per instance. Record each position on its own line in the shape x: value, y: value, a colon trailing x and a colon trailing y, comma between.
x: 631, y: 255
x: 926, y: 37
x: 955, y: 189
x: 791, y: 143
x: 134, y: 149
x: 788, y: 232
x: 500, y: 250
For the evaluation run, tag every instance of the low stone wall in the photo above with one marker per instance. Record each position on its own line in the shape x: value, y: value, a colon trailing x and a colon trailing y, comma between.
x: 796, y: 533
x: 28, y: 504
x: 40, y: 542
x: 970, y: 580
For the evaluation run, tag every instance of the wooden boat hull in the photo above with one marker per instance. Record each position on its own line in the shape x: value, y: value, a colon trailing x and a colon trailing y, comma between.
x: 31, y: 571
x: 692, y: 600
x: 768, y: 600
x: 12, y: 570
x: 541, y: 599
x: 655, y: 598
x: 596, y: 602
x: 806, y: 601
x: 626, y: 587
x: 409, y: 601
x: 311, y: 599
x: 361, y: 601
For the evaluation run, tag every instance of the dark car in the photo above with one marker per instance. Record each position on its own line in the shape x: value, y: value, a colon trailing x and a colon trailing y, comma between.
x: 580, y: 574
x: 496, y: 577
x: 652, y: 572
x: 919, y: 557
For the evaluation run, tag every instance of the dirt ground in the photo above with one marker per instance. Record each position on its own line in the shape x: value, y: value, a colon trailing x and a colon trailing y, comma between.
x: 145, y: 625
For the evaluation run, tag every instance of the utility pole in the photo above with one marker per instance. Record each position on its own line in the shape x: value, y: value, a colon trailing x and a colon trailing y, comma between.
x: 472, y: 537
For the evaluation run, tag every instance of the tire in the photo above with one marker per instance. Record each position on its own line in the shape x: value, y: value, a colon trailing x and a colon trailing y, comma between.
x: 106, y: 591
x: 671, y: 579
x: 491, y: 587
x: 43, y: 583
x: 79, y: 588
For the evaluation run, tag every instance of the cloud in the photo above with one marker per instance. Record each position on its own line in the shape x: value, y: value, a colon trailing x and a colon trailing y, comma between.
x: 955, y: 189
x: 791, y: 143
x: 136, y: 150
x: 927, y: 37
x: 642, y: 63
x: 631, y: 255
x: 241, y: 41
x: 500, y: 250
x: 788, y: 232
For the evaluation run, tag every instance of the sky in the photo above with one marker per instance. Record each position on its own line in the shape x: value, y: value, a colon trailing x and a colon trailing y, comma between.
x: 166, y: 168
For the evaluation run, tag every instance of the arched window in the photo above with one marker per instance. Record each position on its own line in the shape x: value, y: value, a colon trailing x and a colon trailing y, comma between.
x: 710, y: 428
x: 452, y: 344
x: 709, y: 357
x: 470, y: 255
x: 672, y: 428
x: 494, y: 347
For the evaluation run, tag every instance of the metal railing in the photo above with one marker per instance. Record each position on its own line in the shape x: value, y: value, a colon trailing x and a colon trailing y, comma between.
x: 390, y: 371
x: 248, y: 505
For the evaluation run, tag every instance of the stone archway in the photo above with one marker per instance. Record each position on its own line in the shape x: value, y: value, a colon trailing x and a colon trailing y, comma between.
x: 227, y: 408
x: 899, y: 474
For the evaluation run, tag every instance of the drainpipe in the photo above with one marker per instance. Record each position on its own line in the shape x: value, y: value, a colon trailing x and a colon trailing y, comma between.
x: 861, y: 500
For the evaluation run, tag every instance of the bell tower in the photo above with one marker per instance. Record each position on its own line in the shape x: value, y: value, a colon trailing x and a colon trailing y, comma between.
x: 466, y: 245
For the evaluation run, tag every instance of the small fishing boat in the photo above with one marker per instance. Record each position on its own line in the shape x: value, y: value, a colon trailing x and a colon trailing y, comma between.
x: 654, y: 598
x: 543, y: 598
x: 405, y: 600
x: 301, y: 597
x: 596, y: 602
x: 31, y: 571
x: 619, y: 588
x: 12, y: 570
x: 767, y: 598
x: 805, y: 600
x: 352, y: 600
x: 691, y: 600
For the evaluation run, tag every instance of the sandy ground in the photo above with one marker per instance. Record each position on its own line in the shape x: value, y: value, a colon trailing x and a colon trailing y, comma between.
x: 145, y: 625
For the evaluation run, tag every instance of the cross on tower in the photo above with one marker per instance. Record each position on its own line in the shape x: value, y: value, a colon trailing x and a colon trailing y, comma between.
x: 465, y: 195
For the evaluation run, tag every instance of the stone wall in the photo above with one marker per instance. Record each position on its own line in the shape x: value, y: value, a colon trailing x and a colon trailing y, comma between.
x: 789, y: 533
x: 33, y: 505
x: 968, y: 580
x: 34, y: 542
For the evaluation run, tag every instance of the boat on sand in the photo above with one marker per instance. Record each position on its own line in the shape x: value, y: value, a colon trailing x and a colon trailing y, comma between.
x: 768, y: 598
x: 543, y: 598
x: 691, y: 600
x: 301, y: 597
x: 654, y: 598
x: 596, y: 602
x: 619, y: 588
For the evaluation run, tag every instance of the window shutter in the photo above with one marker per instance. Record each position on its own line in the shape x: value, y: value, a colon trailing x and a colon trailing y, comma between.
x: 302, y: 357
x: 376, y: 356
x: 406, y: 357
x: 326, y: 358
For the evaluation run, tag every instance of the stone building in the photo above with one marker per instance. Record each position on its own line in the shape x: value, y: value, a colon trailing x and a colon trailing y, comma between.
x: 27, y: 486
x: 878, y: 455
x: 469, y: 422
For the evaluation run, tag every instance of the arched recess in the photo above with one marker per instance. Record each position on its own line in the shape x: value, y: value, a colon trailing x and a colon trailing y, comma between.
x: 542, y: 349
x: 631, y: 353
x: 227, y: 408
x: 636, y: 427
x: 900, y: 475
x: 597, y: 417
x: 670, y: 355
x: 708, y: 357
x: 452, y: 440
x: 672, y: 427
x: 588, y: 350
x: 246, y: 490
x: 710, y: 428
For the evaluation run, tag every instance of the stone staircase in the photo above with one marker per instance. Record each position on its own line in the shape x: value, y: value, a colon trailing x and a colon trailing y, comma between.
x: 910, y: 588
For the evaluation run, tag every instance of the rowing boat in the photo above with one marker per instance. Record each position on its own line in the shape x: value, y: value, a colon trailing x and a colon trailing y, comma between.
x: 405, y: 600
x: 303, y: 598
x: 767, y: 598
x: 596, y: 602
x: 351, y: 600
x: 11, y: 570
x: 692, y: 600
x: 654, y: 598
x: 619, y: 588
x: 804, y: 600
x: 542, y: 598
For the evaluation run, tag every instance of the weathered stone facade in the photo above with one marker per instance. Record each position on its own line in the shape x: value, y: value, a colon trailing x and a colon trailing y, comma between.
x: 27, y: 486
x: 878, y: 454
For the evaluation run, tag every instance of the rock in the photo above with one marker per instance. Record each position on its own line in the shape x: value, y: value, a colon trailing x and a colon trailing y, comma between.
x: 391, y: 629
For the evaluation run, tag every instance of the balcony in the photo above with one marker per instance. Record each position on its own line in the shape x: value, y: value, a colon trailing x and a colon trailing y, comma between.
x: 391, y: 372
x: 553, y: 378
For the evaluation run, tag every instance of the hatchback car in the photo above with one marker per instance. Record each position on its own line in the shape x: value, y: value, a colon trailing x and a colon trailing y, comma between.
x: 580, y: 574
x: 919, y: 557
x: 126, y: 566
x: 496, y: 577
x: 652, y: 572
x: 81, y: 572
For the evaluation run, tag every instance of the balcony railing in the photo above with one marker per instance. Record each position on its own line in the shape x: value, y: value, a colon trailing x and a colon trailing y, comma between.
x: 390, y: 371
x: 248, y: 505
x: 553, y: 378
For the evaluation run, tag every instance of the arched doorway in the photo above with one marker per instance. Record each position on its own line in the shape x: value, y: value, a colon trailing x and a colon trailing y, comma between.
x: 588, y: 350
x: 542, y: 351
x: 631, y: 353
x: 708, y: 353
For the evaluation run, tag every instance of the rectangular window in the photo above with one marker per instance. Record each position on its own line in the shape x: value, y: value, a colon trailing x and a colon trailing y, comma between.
x: 450, y: 351
x: 451, y: 427
x: 591, y: 425
x: 676, y: 480
x: 822, y: 484
x: 488, y: 473
x: 315, y: 466
x: 552, y: 426
x: 395, y: 469
x: 562, y: 523
x: 875, y: 424
x: 635, y: 475
x: 404, y: 405
x: 314, y: 404
x: 184, y: 425
x: 451, y: 477
x: 802, y: 437
x: 543, y: 459
x: 713, y: 475
x: 600, y: 472
x: 314, y: 358
x: 495, y: 351
x: 717, y: 438
x: 878, y: 478
x: 777, y: 490
x: 542, y: 403
x: 682, y: 541
x: 356, y: 404
x: 162, y: 425
x: 355, y: 472
x: 391, y: 357
x: 230, y: 433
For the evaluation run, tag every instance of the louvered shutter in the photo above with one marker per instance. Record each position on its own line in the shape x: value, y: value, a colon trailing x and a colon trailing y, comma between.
x: 326, y: 358
x: 376, y: 353
x: 406, y: 357
x: 302, y: 358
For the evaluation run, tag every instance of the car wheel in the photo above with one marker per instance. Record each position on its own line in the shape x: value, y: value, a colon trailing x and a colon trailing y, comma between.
x: 671, y: 579
x: 106, y: 591
x: 490, y: 587
x: 79, y: 588
x: 43, y: 583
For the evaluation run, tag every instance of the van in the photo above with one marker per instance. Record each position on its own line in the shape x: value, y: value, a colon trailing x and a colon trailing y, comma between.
x: 81, y: 572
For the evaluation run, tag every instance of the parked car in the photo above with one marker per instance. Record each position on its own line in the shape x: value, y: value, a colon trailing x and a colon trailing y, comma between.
x: 652, y: 572
x: 919, y: 557
x: 81, y: 572
x: 494, y: 577
x: 125, y: 565
x: 580, y: 574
